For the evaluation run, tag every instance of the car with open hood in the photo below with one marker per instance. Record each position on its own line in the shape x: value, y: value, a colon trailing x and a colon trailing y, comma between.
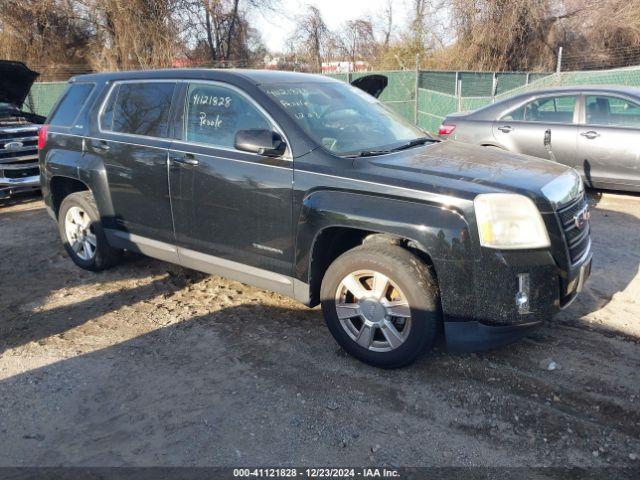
x: 312, y: 188
x: 19, y: 169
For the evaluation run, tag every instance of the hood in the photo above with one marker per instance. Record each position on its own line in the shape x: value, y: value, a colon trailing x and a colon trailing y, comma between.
x: 15, y: 82
x: 473, y: 169
x: 372, y: 84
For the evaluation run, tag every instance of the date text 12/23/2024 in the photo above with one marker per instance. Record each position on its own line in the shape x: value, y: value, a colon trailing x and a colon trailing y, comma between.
x: 316, y: 473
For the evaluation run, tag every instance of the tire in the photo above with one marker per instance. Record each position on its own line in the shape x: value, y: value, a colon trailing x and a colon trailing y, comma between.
x: 408, y: 278
x: 84, y: 223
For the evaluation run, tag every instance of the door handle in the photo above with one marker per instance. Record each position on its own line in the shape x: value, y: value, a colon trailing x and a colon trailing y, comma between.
x: 185, y: 158
x: 590, y: 134
x: 100, y: 145
x: 505, y: 128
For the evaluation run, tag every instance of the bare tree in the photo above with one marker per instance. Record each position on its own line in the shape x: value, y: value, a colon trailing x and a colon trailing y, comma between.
x: 222, y: 32
x: 356, y: 40
x: 311, y: 36
x: 65, y: 37
x: 509, y: 34
x: 418, y: 27
x: 134, y: 34
x: 48, y: 34
x: 388, y: 14
x: 610, y: 29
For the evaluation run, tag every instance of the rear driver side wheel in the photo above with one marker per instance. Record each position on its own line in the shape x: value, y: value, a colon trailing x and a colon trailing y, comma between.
x: 381, y: 304
x: 82, y: 234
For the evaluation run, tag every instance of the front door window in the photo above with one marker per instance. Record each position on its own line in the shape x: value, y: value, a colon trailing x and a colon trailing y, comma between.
x: 215, y: 113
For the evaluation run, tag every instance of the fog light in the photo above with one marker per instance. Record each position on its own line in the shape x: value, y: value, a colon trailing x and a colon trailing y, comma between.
x: 522, y: 297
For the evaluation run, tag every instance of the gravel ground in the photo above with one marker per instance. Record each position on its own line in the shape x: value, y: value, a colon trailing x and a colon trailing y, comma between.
x: 152, y: 364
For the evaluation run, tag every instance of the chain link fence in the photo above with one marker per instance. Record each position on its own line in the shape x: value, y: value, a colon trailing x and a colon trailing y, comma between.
x: 427, y: 97
x: 441, y: 93
x: 43, y: 96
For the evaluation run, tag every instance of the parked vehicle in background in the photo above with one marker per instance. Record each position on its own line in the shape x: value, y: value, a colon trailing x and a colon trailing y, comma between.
x: 596, y: 130
x: 19, y: 169
x: 309, y: 187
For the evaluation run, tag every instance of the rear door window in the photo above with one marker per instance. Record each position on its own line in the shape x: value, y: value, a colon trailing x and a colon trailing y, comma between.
x: 612, y: 111
x: 545, y: 110
x: 214, y: 114
x: 139, y: 109
x: 70, y: 105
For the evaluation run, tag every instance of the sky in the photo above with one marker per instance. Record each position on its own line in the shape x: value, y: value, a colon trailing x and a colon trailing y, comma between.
x: 277, y: 28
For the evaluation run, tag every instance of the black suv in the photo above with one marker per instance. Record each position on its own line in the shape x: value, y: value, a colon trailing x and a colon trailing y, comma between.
x: 310, y: 187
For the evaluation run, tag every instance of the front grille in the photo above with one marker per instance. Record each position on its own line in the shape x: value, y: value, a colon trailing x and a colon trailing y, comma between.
x: 11, y: 134
x: 26, y: 172
x: 577, y: 239
x: 13, y: 121
x: 29, y: 148
x: 19, y: 152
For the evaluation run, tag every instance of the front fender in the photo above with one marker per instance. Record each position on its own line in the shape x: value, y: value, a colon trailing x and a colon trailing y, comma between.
x: 440, y: 232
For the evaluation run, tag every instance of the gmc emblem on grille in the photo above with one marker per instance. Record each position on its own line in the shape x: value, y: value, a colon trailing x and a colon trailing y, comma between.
x: 581, y: 218
x: 13, y: 145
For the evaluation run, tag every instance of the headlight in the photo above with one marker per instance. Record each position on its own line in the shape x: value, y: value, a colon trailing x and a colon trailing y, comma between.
x: 509, y: 221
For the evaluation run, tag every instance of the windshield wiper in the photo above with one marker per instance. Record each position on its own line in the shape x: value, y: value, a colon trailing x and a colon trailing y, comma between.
x: 372, y: 153
x: 413, y: 143
x: 367, y: 153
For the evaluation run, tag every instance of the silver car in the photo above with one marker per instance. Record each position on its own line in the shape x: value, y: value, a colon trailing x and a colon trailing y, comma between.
x: 594, y: 129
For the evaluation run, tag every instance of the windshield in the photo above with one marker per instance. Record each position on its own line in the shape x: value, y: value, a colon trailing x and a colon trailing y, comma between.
x: 342, y: 118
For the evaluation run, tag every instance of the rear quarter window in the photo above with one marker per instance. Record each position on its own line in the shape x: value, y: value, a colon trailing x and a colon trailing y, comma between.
x: 70, y: 104
x: 138, y: 109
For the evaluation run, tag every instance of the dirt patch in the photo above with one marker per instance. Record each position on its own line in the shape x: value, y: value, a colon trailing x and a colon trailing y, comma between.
x: 151, y: 364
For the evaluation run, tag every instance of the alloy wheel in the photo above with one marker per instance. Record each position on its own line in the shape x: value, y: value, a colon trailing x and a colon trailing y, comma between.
x: 80, y: 235
x: 373, y: 311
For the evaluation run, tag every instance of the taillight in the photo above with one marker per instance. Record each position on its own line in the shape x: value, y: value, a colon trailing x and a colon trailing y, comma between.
x: 446, y: 129
x: 42, y: 136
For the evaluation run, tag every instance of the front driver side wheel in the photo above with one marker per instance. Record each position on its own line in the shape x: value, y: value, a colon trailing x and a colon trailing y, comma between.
x: 381, y: 304
x: 82, y: 234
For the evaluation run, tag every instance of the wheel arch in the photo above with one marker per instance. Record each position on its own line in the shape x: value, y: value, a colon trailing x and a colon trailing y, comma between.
x: 331, y: 242
x: 331, y: 224
x: 61, y: 187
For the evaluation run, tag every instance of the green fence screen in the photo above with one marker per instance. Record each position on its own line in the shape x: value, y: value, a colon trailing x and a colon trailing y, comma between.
x: 438, y: 93
x: 43, y: 96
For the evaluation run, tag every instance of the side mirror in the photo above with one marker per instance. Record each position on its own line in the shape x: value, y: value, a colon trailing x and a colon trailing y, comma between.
x: 262, y: 142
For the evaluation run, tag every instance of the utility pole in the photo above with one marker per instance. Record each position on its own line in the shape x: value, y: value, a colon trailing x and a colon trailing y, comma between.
x: 494, y: 87
x: 559, y: 64
x: 458, y: 92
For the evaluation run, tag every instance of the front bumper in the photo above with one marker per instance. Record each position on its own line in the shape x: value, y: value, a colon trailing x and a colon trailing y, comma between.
x: 493, y: 316
x: 8, y: 186
x: 473, y: 336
